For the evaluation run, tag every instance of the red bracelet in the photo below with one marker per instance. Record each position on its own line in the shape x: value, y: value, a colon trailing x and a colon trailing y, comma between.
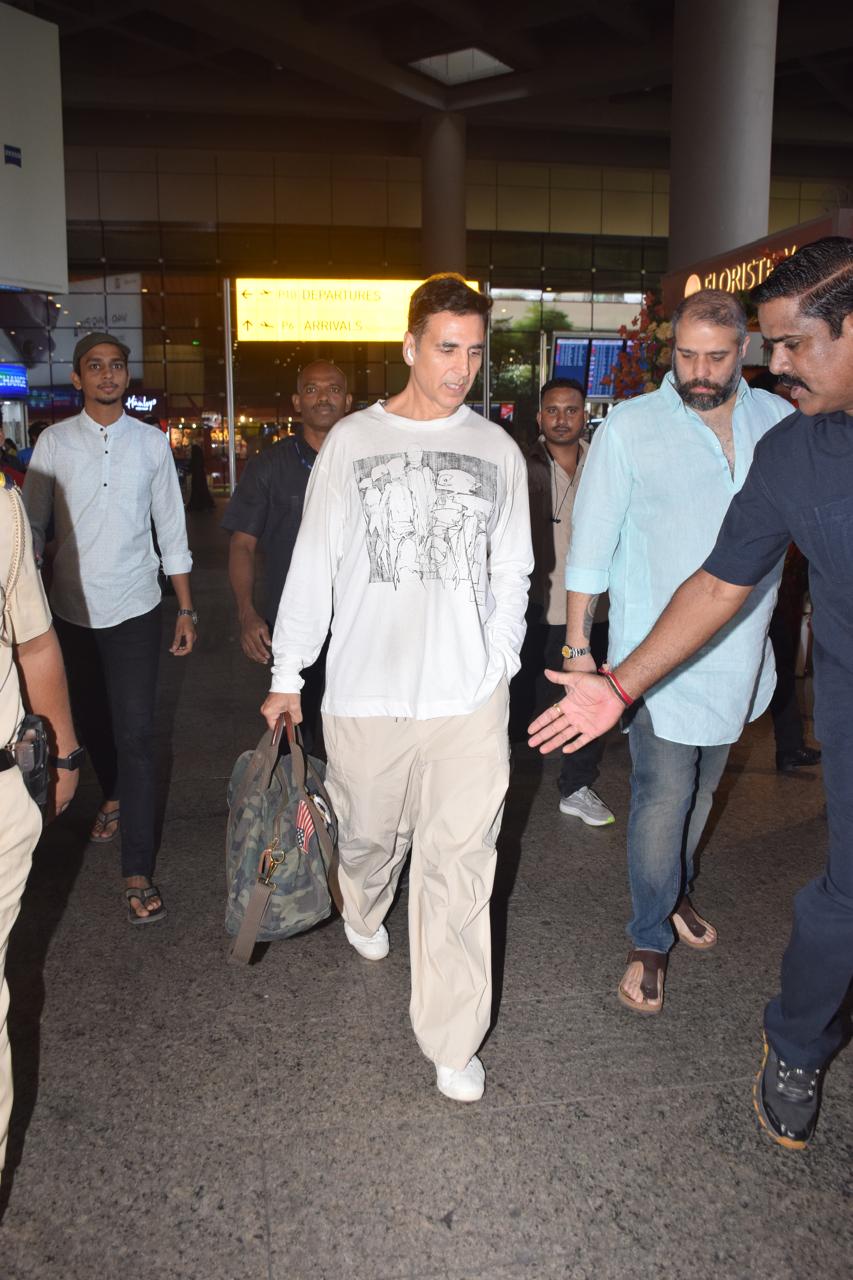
x: 623, y: 697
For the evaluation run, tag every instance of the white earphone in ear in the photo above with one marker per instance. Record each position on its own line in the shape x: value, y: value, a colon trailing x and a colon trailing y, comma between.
x: 409, y: 354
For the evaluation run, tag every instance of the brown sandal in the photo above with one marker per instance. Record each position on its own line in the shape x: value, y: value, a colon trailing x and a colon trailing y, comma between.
x: 691, y: 928
x: 654, y: 973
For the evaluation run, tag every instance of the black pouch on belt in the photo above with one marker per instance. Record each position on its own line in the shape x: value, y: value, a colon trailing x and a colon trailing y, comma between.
x: 30, y: 751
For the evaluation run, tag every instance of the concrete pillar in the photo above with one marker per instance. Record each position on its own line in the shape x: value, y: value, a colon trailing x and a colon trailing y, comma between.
x: 724, y: 56
x: 443, y: 245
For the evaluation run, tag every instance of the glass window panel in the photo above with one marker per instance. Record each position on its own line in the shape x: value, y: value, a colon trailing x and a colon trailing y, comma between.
x: 616, y: 282
x: 86, y: 280
x: 247, y: 247
x: 153, y: 375
x: 577, y: 282
x: 189, y: 244
x: 612, y: 315
x: 124, y: 311
x: 567, y: 254
x: 132, y: 281
x: 627, y: 256
x: 199, y: 282
x: 183, y: 344
x: 81, y: 310
x: 132, y: 244
x: 356, y: 247
x: 517, y: 251
x: 193, y: 311
x: 655, y: 257
x: 403, y: 248
x: 297, y: 248
x: 85, y: 242
x: 184, y: 378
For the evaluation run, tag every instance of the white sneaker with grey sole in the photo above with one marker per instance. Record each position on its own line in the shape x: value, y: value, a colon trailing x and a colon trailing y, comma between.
x: 373, y: 948
x: 587, y: 806
x: 466, y: 1085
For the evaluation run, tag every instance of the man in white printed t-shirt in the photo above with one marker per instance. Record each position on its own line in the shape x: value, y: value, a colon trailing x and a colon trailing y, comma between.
x: 416, y: 530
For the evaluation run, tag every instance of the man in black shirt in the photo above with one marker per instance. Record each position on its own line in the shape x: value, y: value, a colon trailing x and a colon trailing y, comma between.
x: 799, y: 488
x: 266, y: 509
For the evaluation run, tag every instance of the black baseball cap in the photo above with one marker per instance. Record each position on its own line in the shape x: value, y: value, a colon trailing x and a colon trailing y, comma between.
x: 95, y: 339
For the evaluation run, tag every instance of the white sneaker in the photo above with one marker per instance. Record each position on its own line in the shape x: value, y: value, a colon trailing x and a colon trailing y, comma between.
x: 466, y: 1085
x: 587, y: 806
x: 373, y: 948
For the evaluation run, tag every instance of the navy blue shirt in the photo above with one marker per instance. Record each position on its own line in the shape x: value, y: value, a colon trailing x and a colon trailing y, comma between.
x: 267, y: 504
x: 800, y: 489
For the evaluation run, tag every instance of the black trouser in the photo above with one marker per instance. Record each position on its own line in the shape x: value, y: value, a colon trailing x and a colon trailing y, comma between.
x: 112, y: 678
x: 784, y: 708
x: 531, y: 693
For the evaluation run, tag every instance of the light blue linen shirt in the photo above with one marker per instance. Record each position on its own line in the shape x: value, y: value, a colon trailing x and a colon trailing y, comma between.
x: 104, y: 486
x: 654, y: 491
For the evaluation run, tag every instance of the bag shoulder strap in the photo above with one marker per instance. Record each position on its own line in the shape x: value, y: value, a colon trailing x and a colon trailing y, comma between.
x: 16, y: 559
x: 244, y: 943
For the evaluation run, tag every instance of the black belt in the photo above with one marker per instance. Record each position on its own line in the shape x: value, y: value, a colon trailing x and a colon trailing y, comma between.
x: 7, y: 760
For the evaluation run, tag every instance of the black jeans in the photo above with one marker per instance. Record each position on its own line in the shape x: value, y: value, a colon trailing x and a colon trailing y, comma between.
x: 531, y: 693
x: 112, y: 678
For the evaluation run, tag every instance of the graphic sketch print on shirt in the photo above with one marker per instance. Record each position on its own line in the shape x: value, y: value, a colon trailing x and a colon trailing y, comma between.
x: 427, y: 513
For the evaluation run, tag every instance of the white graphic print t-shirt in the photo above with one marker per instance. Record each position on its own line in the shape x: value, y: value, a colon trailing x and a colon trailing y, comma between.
x: 415, y: 542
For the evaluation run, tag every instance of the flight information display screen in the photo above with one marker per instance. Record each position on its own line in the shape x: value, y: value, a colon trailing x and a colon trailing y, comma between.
x: 571, y: 358
x: 603, y: 357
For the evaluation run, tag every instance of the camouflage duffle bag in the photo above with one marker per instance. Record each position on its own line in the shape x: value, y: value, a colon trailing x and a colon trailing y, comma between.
x: 281, y: 844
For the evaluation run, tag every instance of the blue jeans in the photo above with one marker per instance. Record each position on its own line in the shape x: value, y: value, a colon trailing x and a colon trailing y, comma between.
x: 803, y: 1022
x: 672, y: 787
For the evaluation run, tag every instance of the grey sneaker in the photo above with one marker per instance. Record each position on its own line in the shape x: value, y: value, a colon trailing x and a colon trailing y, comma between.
x: 787, y: 1100
x: 587, y: 806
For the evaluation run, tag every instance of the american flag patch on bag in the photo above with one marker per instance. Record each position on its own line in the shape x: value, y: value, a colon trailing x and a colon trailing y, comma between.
x: 304, y: 826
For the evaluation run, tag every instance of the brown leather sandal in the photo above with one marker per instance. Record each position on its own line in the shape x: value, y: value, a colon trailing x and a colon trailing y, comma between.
x: 691, y: 928
x: 654, y: 973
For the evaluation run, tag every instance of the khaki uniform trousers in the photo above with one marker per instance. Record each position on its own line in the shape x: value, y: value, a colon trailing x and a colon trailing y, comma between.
x: 19, y: 834
x: 438, y: 785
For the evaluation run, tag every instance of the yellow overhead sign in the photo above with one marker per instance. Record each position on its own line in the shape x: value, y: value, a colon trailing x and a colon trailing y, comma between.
x: 329, y: 310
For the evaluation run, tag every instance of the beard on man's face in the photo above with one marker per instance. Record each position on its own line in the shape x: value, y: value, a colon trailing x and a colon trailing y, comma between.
x: 714, y: 393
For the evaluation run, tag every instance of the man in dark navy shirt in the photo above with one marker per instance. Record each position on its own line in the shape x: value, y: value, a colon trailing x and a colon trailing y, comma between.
x: 800, y: 488
x: 266, y: 509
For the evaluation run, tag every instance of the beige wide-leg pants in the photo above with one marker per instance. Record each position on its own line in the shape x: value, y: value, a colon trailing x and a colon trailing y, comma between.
x: 440, y: 785
x: 21, y: 828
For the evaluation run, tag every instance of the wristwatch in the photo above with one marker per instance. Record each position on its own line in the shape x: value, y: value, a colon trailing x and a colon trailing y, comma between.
x: 78, y: 755
x: 568, y: 651
x: 189, y: 613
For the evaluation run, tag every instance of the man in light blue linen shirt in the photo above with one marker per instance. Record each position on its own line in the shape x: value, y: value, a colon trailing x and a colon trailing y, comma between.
x: 659, y: 477
x: 104, y: 476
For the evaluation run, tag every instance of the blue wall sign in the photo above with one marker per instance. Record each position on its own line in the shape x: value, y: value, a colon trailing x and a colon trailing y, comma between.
x: 13, y: 382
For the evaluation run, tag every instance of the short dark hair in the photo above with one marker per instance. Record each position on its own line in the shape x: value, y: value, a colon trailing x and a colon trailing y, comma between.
x: 820, y: 276
x: 446, y: 291
x: 560, y: 384
x: 36, y: 428
x: 714, y: 306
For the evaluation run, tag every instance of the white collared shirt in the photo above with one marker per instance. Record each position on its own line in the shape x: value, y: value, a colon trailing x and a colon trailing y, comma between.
x: 104, y: 486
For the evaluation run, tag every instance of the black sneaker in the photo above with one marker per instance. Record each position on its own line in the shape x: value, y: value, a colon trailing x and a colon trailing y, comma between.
x: 787, y: 1100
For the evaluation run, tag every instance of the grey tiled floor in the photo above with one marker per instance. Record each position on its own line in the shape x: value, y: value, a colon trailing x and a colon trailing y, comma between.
x: 175, y: 1118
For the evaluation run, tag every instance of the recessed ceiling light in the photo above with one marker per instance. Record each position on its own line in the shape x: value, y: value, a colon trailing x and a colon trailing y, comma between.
x: 461, y: 67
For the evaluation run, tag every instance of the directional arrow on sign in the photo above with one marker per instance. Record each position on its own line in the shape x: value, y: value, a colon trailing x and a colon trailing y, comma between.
x: 248, y: 293
x: 247, y: 324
